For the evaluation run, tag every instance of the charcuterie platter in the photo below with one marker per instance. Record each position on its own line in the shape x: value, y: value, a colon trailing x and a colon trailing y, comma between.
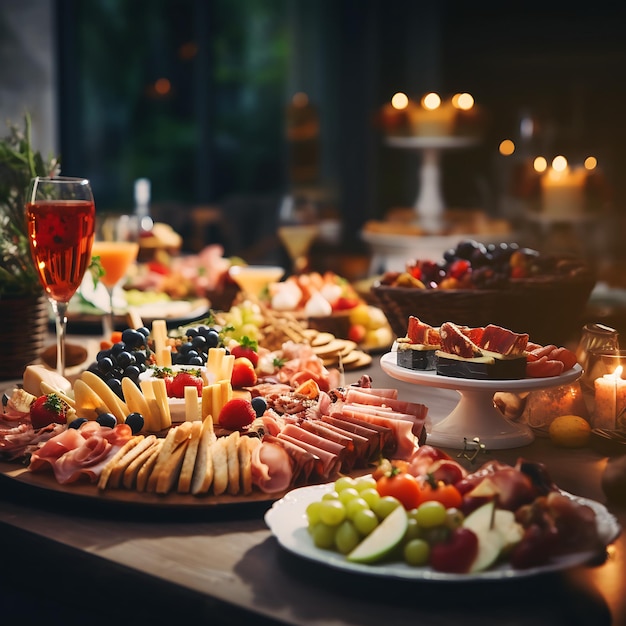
x: 475, y: 415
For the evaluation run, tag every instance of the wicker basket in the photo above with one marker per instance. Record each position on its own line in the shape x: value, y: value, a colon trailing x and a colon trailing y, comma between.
x: 549, y: 309
x: 23, y: 334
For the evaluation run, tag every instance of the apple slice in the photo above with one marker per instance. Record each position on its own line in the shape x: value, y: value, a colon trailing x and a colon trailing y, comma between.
x: 496, y: 530
x: 383, y: 539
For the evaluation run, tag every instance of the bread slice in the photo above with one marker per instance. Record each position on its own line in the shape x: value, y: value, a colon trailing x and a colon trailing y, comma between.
x: 244, y: 452
x: 173, y: 440
x: 169, y: 473
x: 129, y: 478
x: 220, y: 466
x: 117, y: 472
x: 189, y: 462
x: 146, y: 468
x: 232, y: 460
x: 104, y: 480
x: 203, y: 470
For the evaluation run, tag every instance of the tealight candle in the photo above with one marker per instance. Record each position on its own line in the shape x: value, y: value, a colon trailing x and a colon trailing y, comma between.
x: 610, y: 395
x: 562, y: 191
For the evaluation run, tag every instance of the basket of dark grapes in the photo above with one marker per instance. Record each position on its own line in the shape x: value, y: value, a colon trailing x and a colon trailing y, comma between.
x: 505, y: 284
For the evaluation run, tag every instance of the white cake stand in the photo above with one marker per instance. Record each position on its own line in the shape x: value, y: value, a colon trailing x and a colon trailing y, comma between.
x: 429, y: 205
x: 476, y: 415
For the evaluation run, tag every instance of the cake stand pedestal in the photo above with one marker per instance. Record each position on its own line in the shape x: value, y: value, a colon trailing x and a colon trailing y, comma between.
x: 476, y: 415
x: 429, y: 205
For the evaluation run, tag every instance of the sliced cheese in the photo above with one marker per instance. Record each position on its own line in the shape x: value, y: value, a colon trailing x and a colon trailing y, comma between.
x: 114, y: 403
x: 159, y: 335
x: 192, y: 404
x: 160, y: 394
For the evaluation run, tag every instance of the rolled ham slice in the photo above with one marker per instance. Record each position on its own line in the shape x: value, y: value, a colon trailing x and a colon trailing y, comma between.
x: 344, y: 439
x: 327, y: 464
x: 303, y: 461
x: 271, y: 468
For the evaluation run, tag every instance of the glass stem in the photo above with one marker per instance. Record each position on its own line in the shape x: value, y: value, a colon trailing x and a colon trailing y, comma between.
x: 107, y: 319
x: 60, y: 314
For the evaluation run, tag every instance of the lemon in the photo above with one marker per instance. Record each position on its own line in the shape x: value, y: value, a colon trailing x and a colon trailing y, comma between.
x: 570, y: 431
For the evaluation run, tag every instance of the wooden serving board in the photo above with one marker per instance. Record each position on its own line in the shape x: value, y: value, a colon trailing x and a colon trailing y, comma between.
x: 45, y: 481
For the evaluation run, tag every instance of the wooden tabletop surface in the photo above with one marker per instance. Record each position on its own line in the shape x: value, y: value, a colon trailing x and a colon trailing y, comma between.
x: 65, y: 558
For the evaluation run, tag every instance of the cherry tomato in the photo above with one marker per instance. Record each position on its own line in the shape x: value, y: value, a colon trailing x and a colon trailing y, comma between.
x: 448, y: 495
x: 401, y: 486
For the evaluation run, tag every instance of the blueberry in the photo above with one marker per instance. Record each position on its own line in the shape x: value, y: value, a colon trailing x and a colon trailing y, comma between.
x: 212, y: 338
x: 144, y: 331
x: 77, y: 423
x: 259, y: 405
x: 105, y: 365
x: 116, y: 386
x: 135, y: 421
x: 118, y: 347
x: 125, y: 358
x: 132, y: 372
x: 195, y: 360
x: 107, y: 420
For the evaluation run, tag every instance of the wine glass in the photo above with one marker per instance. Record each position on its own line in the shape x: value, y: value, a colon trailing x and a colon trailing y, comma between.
x: 60, y: 217
x: 117, y: 247
x: 298, y: 239
x: 253, y: 279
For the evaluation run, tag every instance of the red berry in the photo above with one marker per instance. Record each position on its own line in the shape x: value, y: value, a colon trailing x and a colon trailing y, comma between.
x: 176, y: 386
x: 244, y: 374
x: 459, y: 268
x: 48, y: 409
x: 236, y: 414
x: 247, y: 348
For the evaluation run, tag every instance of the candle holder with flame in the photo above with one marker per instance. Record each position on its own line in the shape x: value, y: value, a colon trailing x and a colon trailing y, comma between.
x: 610, y: 391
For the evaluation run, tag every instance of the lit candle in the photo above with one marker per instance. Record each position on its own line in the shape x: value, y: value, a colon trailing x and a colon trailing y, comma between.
x: 562, y: 189
x: 610, y: 394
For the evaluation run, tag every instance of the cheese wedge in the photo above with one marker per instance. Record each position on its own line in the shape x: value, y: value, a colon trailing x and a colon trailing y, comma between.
x: 160, y: 394
x: 152, y: 418
x: 87, y: 402
x: 36, y: 374
x: 114, y: 403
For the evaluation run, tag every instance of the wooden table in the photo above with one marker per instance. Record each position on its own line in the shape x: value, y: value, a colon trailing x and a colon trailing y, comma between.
x: 65, y: 562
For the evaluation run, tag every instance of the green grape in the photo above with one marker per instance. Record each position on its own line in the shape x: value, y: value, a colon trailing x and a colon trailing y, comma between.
x: 347, y: 494
x: 371, y: 496
x: 330, y: 495
x: 454, y: 518
x: 354, y: 506
x: 344, y: 482
x: 385, y: 505
x: 346, y: 538
x: 413, y: 530
x: 412, y: 514
x: 365, y: 521
x: 430, y: 514
x: 313, y: 512
x: 332, y: 512
x: 365, y: 482
x: 416, y: 552
x: 324, y: 536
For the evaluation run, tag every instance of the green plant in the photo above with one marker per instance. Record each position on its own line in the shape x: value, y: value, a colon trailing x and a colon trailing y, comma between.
x: 18, y: 164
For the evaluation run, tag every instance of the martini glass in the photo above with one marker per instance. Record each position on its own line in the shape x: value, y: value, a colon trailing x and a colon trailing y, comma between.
x: 60, y: 217
x: 297, y: 240
x: 253, y: 279
x: 117, y: 247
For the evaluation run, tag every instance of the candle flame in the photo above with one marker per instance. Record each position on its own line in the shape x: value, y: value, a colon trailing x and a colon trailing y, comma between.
x: 559, y: 163
x: 618, y: 371
x: 431, y: 101
x: 399, y: 101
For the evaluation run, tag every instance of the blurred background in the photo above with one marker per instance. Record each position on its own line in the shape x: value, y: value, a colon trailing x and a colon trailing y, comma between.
x: 236, y: 110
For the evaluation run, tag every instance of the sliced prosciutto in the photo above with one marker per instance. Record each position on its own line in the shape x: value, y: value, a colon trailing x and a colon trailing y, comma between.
x: 327, y: 463
x: 80, y: 453
x: 271, y: 468
x: 302, y: 461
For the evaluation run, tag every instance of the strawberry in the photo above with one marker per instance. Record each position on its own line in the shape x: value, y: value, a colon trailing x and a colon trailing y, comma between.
x: 248, y: 348
x: 236, y: 414
x: 48, y: 409
x: 244, y: 374
x: 188, y: 378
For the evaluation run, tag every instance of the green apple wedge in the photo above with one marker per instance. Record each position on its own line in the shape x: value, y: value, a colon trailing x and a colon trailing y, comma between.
x: 496, y: 530
x: 383, y: 539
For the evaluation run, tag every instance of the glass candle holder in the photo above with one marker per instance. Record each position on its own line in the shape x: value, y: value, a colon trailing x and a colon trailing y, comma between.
x: 609, y: 371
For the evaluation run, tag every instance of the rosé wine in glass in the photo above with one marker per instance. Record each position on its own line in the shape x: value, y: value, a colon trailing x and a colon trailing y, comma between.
x: 60, y: 217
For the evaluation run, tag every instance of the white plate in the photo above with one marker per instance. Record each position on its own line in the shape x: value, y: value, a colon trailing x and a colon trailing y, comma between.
x: 287, y: 521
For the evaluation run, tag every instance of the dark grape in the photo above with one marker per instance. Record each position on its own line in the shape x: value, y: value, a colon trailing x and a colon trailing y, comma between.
x: 77, y: 423
x: 135, y: 421
x: 259, y: 405
x: 144, y: 331
x: 132, y: 372
x: 115, y: 386
x: 107, y: 420
x: 133, y: 338
x: 105, y: 365
x: 124, y: 359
